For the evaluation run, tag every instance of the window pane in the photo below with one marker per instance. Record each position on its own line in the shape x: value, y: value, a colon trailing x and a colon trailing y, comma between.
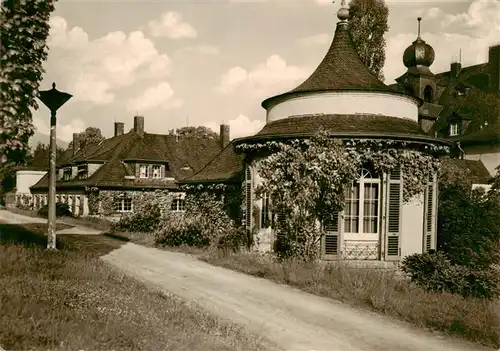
x: 370, y: 208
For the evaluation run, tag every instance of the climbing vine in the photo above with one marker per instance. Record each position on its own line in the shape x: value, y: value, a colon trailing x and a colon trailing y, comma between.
x: 307, y: 180
x: 417, y: 161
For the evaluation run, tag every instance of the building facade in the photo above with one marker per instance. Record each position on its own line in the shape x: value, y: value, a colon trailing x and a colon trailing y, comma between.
x: 344, y: 99
x: 461, y: 105
x: 110, y: 177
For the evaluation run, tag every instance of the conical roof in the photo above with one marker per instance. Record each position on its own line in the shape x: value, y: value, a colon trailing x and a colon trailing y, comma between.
x: 341, y: 69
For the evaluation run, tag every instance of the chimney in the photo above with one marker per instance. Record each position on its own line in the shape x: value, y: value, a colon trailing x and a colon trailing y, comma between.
x: 455, y: 69
x: 224, y: 135
x: 139, y: 125
x: 76, y: 142
x: 494, y: 62
x: 119, y: 128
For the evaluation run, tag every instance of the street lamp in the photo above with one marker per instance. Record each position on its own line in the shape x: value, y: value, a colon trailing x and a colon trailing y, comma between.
x: 53, y: 99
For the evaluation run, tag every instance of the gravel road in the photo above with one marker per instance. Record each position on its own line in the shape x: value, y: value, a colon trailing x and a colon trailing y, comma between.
x: 286, y: 317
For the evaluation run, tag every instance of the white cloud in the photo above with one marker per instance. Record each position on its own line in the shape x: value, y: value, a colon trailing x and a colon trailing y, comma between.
x: 161, y: 96
x: 240, y: 126
x: 232, y: 79
x: 64, y: 131
x: 472, y: 32
x: 95, y: 69
x: 271, y: 77
x: 322, y: 38
x: 433, y: 12
x: 171, y: 25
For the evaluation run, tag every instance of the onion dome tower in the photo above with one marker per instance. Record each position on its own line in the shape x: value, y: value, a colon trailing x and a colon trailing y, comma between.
x: 418, y: 80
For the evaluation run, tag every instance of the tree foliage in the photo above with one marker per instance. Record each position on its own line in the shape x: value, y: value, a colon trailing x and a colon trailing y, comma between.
x: 39, y: 156
x: 24, y: 25
x: 91, y: 135
x: 198, y: 132
x: 367, y: 25
x: 469, y: 224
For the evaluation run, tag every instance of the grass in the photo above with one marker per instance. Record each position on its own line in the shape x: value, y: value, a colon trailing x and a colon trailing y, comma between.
x: 70, y: 300
x: 378, y: 290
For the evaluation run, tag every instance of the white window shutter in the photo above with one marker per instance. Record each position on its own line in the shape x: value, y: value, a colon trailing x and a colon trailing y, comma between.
x: 248, y: 200
x: 430, y: 218
x: 331, y: 241
x: 394, y: 198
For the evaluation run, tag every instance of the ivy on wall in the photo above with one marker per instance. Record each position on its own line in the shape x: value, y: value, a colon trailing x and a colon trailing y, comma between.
x: 307, y: 179
x: 418, y: 161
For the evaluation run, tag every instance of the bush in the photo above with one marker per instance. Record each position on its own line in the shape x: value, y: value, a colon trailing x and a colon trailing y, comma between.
x: 177, y: 230
x: 435, y: 272
x: 62, y: 209
x: 144, y: 220
x: 468, y: 222
x: 233, y: 240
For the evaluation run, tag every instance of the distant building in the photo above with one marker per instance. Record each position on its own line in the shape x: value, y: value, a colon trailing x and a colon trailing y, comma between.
x: 461, y: 105
x: 125, y: 166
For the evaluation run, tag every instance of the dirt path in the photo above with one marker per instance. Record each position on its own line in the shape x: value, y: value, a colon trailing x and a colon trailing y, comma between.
x: 292, y: 319
x: 14, y: 218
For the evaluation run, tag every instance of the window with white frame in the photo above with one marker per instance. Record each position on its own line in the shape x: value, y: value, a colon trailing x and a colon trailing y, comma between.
x: 83, y: 172
x: 67, y: 173
x: 156, y: 170
x: 361, y: 213
x: 454, y: 129
x: 144, y: 171
x: 178, y: 205
x: 123, y: 204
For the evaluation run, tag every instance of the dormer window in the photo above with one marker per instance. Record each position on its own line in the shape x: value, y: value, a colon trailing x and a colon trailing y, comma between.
x: 144, y: 171
x: 454, y: 129
x: 156, y: 171
x: 83, y: 172
x: 67, y: 173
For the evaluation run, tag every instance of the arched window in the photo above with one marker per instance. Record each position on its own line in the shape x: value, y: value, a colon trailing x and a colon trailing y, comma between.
x: 429, y: 94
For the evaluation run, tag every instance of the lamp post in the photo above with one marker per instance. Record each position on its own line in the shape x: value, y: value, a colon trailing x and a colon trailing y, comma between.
x: 53, y: 99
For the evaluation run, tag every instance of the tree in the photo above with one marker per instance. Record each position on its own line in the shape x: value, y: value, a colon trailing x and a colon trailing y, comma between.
x: 91, y: 135
x: 468, y: 220
x: 199, y: 132
x: 367, y: 25
x: 24, y: 25
x: 40, y: 155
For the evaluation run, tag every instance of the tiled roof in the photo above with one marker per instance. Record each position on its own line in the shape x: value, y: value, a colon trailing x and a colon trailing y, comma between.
x: 184, y: 155
x: 476, y: 171
x: 41, y: 161
x: 340, y: 69
x: 475, y: 105
x: 361, y: 125
x: 227, y: 166
x: 488, y: 134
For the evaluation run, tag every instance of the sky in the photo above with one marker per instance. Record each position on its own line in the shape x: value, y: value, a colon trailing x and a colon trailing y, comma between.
x: 209, y: 62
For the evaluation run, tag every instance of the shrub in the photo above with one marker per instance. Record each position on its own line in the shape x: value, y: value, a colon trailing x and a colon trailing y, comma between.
x: 468, y: 222
x: 62, y: 209
x: 176, y: 230
x: 144, y: 220
x: 435, y: 272
x: 233, y: 240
